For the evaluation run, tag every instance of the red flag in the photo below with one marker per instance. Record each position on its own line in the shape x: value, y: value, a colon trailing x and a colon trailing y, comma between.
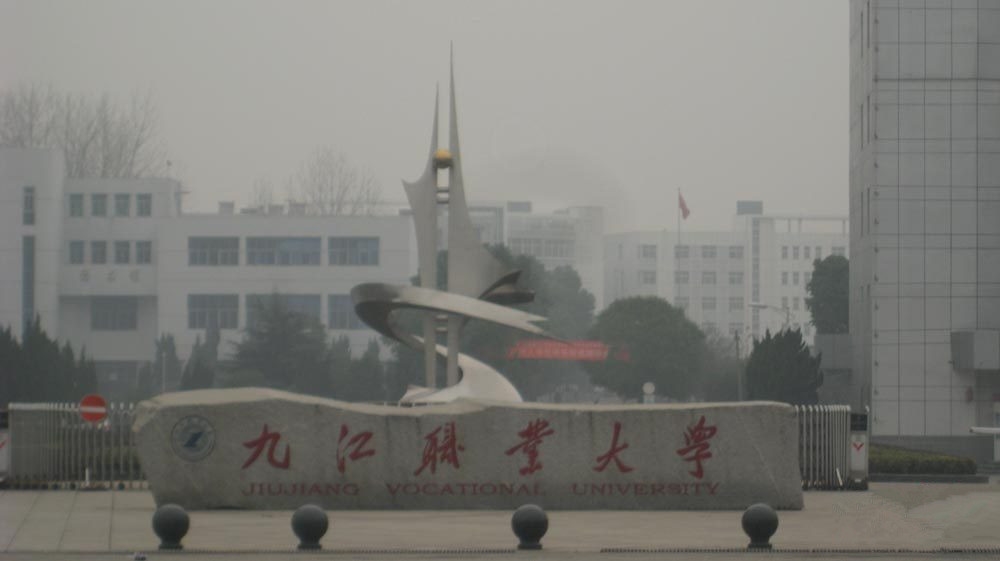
x: 685, y: 211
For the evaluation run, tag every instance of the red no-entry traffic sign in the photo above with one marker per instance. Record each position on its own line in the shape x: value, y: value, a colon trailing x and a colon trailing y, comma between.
x: 93, y: 408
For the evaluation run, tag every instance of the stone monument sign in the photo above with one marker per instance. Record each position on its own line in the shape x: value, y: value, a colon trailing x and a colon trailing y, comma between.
x: 266, y: 449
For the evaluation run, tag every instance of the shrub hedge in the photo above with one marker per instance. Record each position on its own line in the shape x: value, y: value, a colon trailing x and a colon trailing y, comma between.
x: 888, y: 459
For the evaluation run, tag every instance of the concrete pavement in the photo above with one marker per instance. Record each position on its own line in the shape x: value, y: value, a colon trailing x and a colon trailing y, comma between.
x: 910, y: 516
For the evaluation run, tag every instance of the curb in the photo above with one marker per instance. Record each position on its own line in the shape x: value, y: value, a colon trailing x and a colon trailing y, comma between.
x: 927, y: 478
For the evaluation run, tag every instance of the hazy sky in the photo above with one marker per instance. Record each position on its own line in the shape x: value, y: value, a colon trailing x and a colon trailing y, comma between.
x: 560, y: 102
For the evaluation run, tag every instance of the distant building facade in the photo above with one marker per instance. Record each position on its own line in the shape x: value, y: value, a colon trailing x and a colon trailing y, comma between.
x: 110, y: 264
x: 571, y: 236
x: 744, y: 281
x: 925, y: 218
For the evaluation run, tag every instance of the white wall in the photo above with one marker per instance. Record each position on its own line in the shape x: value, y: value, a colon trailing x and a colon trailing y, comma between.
x: 44, y: 170
x: 177, y: 279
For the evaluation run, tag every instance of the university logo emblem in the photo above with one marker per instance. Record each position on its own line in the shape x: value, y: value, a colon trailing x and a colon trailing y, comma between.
x: 192, y: 438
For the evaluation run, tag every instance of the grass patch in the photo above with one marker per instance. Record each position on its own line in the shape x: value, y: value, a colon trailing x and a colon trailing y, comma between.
x: 889, y: 459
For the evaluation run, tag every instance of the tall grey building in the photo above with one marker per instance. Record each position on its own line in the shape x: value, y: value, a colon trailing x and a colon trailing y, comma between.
x: 925, y: 218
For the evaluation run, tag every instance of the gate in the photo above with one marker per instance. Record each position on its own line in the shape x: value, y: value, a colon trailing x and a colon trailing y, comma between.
x: 51, y: 446
x: 824, y: 445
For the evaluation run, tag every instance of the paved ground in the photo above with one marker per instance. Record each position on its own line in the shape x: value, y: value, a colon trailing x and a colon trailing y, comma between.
x: 911, y: 516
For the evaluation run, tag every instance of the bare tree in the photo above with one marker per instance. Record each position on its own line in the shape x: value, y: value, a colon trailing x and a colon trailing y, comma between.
x: 329, y: 184
x: 29, y: 116
x: 100, y: 137
x: 262, y: 193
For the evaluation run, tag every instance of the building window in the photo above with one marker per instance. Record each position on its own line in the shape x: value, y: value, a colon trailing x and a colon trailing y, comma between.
x: 795, y: 252
x: 736, y: 327
x: 341, y: 313
x: 735, y: 303
x: 784, y: 302
x: 114, y: 313
x: 213, y: 310
x: 795, y: 303
x: 708, y: 252
x: 365, y: 251
x: 784, y: 252
x: 708, y: 277
x: 784, y: 277
x: 736, y: 252
x: 708, y: 303
x: 838, y: 250
x: 819, y: 252
x: 681, y: 277
x: 213, y: 251
x: 647, y: 251
x: 98, y: 252
x: 122, y: 203
x: 122, y: 253
x: 647, y: 277
x: 76, y: 205
x: 283, y: 252
x: 144, y: 204
x: 795, y: 278
x: 558, y: 249
x: 736, y: 277
x: 708, y: 327
x: 144, y: 252
x: 682, y: 251
x: 76, y: 252
x: 682, y: 302
x: 98, y: 204
x: 805, y: 252
x: 806, y: 277
x: 28, y: 217
x: 304, y: 304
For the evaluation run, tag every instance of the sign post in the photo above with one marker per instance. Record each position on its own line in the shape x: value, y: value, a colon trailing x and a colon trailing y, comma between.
x: 859, y: 450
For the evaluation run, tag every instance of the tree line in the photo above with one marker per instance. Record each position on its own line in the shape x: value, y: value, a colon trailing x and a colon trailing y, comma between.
x: 37, y: 368
x: 288, y: 350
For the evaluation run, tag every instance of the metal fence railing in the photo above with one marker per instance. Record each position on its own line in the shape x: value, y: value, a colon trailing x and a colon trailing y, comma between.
x: 51, y: 446
x: 824, y: 445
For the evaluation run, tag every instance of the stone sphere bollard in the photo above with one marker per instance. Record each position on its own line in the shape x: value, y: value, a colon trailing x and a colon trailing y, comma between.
x: 529, y: 524
x: 310, y: 524
x: 760, y: 522
x: 171, y: 523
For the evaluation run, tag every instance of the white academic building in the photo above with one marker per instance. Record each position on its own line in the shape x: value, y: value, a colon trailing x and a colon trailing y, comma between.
x: 742, y: 281
x: 925, y: 218
x: 110, y: 265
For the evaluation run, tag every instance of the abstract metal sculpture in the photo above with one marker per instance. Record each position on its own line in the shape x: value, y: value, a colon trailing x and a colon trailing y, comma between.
x: 478, y: 285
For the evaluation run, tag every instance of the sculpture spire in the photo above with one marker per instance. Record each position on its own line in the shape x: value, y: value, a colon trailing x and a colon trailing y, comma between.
x: 477, y: 281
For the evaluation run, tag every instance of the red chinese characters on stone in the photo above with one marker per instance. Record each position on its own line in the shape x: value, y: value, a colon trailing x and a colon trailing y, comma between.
x: 696, y: 445
x: 352, y: 448
x: 269, y: 439
x: 531, y: 436
x: 612, y: 454
x: 441, y: 445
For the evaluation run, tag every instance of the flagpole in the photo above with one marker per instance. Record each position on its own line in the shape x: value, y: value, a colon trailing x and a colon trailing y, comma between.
x: 679, y: 215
